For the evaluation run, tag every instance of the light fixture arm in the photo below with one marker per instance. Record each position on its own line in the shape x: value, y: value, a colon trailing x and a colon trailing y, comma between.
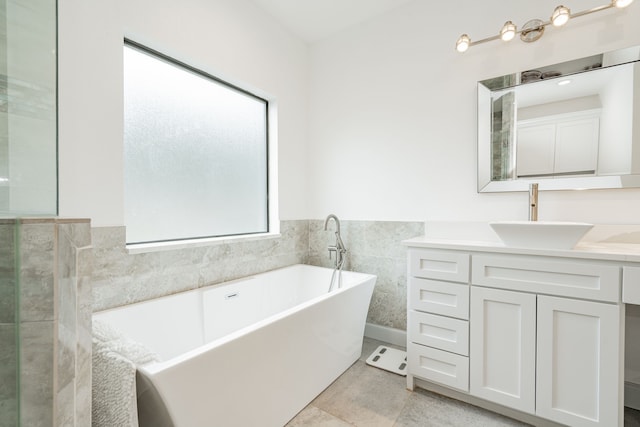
x: 593, y: 10
x: 539, y: 25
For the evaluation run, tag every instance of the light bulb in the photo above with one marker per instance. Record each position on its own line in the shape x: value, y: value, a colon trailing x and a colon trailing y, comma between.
x: 508, y: 31
x: 560, y: 16
x: 622, y: 3
x: 463, y: 43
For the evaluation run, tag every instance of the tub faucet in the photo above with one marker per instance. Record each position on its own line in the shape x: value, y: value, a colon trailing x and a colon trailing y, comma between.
x: 339, y: 249
x: 533, y: 202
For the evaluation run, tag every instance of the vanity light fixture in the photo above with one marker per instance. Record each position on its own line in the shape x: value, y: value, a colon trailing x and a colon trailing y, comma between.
x: 532, y: 30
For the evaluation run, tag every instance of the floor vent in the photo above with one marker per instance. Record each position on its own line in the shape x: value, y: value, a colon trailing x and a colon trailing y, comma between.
x: 389, y: 359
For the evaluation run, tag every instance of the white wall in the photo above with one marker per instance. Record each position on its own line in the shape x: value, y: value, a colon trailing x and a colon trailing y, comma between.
x: 390, y: 104
x: 231, y: 39
x: 393, y: 112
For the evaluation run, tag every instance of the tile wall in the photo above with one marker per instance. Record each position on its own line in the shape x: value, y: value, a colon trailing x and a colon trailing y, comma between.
x: 121, y: 278
x: 8, y: 333
x: 52, y: 264
x: 74, y: 310
x: 373, y: 247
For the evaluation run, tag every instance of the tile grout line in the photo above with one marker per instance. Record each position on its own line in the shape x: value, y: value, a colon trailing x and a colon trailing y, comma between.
x: 395, y: 422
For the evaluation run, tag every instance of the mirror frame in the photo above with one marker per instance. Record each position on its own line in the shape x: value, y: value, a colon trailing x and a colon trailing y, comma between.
x: 484, y: 182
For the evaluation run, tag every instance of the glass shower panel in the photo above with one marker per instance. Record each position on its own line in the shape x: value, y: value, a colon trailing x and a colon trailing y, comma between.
x: 4, y: 123
x: 28, y: 116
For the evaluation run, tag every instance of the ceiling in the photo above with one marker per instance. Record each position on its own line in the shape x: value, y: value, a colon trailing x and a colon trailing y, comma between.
x: 313, y: 20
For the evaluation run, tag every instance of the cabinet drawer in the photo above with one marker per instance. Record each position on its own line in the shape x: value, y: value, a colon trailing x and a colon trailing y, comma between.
x: 448, y: 299
x: 440, y: 332
x: 553, y: 276
x: 439, y: 366
x: 442, y: 265
x: 631, y: 285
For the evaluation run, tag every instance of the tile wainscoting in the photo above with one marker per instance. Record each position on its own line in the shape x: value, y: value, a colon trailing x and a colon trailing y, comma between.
x: 121, y: 278
x: 373, y: 247
x: 8, y: 324
x: 45, y: 330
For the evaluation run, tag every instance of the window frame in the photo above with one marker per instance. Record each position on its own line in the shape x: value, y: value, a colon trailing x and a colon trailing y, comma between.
x: 271, y: 230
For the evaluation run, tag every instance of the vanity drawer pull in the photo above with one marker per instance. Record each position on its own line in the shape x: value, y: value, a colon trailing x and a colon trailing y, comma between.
x: 447, y: 299
x: 440, y: 332
x: 442, y: 265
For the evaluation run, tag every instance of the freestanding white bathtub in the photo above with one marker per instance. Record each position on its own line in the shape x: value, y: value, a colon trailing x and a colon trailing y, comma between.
x: 251, y: 352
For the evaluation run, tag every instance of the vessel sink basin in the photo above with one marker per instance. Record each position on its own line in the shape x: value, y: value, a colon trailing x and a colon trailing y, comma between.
x: 540, y: 234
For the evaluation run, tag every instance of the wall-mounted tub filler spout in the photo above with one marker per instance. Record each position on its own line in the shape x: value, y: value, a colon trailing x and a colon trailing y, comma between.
x: 533, y: 202
x: 340, y: 251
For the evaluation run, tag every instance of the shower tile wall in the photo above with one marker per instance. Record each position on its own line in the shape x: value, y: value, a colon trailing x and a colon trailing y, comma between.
x: 73, y: 389
x: 121, y: 278
x: 8, y: 349
x: 55, y: 321
x: 373, y: 247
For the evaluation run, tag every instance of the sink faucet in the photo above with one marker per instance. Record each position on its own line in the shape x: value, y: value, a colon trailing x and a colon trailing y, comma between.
x: 339, y: 249
x: 533, y: 202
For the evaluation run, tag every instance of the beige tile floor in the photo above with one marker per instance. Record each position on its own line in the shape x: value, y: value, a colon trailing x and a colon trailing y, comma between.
x: 365, y: 396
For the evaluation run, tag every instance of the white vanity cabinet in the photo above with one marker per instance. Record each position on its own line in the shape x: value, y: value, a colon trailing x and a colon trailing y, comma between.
x: 572, y: 378
x: 545, y: 333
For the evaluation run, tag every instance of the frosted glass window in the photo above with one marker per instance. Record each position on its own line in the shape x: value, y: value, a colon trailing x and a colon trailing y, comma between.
x: 195, y: 153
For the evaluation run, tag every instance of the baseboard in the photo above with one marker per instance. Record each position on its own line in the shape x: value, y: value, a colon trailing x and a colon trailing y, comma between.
x: 632, y: 395
x: 386, y: 334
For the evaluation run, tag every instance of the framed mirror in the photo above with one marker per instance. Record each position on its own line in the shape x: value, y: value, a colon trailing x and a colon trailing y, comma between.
x: 573, y: 125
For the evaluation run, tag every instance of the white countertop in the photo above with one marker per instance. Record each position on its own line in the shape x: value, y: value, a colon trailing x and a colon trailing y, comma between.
x: 629, y: 252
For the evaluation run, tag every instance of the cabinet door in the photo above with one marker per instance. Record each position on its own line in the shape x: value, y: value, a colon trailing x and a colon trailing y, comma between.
x: 577, y: 146
x: 579, y: 370
x: 535, y: 150
x: 503, y: 347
